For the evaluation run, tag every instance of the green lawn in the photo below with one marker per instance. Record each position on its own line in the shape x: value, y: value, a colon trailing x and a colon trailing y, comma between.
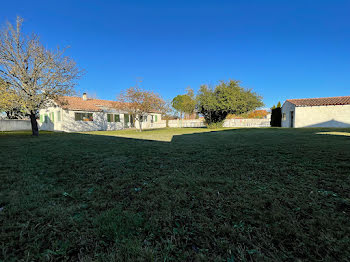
x: 265, y: 194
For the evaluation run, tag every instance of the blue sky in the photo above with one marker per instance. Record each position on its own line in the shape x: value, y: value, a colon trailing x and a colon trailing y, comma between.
x: 281, y: 49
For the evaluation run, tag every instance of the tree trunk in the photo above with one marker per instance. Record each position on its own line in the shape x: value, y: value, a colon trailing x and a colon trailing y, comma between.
x: 35, y: 129
x: 182, y: 119
x: 140, y: 124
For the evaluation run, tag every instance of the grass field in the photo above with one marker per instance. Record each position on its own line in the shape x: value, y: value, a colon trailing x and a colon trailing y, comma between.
x: 176, y: 195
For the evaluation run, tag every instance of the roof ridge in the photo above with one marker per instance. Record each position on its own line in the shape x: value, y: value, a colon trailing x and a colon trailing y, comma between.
x: 321, y: 101
x: 318, y: 98
x: 78, y: 97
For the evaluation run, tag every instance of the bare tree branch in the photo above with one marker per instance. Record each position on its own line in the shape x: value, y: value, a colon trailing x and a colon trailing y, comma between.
x: 35, y: 74
x: 140, y: 103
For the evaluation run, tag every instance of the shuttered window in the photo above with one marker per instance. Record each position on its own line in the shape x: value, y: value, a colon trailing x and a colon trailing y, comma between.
x: 155, y: 118
x: 113, y: 118
x: 58, y: 116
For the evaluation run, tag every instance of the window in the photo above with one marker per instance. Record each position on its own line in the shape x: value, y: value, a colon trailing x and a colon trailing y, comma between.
x: 154, y: 118
x: 284, y: 116
x: 126, y: 118
x: 58, y: 116
x: 116, y: 118
x: 46, y: 117
x: 52, y: 117
x: 84, y: 117
x: 109, y: 117
x: 113, y: 118
x: 143, y: 118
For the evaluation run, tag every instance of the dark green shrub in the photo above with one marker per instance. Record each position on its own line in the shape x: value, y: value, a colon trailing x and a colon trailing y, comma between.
x: 214, y: 125
x: 276, y: 117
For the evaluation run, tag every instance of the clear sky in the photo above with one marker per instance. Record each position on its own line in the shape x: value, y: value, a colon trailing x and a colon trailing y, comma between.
x: 282, y: 49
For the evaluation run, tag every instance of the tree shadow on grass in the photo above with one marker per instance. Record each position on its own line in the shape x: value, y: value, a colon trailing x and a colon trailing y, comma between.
x: 240, y: 193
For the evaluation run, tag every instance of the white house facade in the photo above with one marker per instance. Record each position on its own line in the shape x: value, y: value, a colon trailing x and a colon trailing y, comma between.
x: 80, y: 114
x: 316, y: 112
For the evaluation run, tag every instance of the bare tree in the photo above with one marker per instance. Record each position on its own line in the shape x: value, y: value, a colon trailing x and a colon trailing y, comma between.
x: 34, y: 74
x: 140, y: 103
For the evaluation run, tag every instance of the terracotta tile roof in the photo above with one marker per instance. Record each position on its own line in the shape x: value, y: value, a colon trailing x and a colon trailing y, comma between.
x: 77, y: 103
x: 323, y: 101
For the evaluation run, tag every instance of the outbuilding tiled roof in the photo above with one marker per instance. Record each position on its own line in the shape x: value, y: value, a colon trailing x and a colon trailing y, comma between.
x: 323, y: 101
x: 77, y: 103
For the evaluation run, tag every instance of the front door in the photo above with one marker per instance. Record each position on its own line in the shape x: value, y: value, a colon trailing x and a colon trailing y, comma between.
x: 291, y: 118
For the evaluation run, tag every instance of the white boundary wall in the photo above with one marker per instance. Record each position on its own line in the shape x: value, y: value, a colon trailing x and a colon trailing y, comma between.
x: 14, y: 125
x: 186, y: 123
x: 228, y: 123
x: 247, y: 122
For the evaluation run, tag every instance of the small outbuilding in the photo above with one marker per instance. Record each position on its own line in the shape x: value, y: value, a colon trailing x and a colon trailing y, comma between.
x: 317, y: 112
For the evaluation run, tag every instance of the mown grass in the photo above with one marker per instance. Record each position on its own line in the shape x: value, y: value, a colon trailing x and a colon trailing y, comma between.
x: 161, y: 134
x: 233, y: 195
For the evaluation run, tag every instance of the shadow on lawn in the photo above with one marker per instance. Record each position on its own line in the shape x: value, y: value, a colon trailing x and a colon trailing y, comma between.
x: 234, y: 194
x: 147, y: 135
x: 164, y: 137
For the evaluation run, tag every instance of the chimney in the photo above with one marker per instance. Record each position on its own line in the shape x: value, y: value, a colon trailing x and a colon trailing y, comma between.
x: 84, y: 96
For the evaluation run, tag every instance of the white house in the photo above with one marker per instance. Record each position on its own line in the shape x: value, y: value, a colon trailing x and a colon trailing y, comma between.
x: 72, y: 114
x: 317, y: 112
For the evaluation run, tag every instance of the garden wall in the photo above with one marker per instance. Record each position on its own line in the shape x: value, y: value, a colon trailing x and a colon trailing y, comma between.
x: 247, y: 122
x: 160, y: 124
x: 228, y: 123
x: 14, y: 125
x: 186, y: 123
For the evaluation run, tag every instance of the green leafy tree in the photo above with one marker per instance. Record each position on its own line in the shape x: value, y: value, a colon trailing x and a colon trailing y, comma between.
x: 226, y: 98
x: 177, y: 103
x: 273, y: 107
x: 279, y: 104
x: 185, y: 103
